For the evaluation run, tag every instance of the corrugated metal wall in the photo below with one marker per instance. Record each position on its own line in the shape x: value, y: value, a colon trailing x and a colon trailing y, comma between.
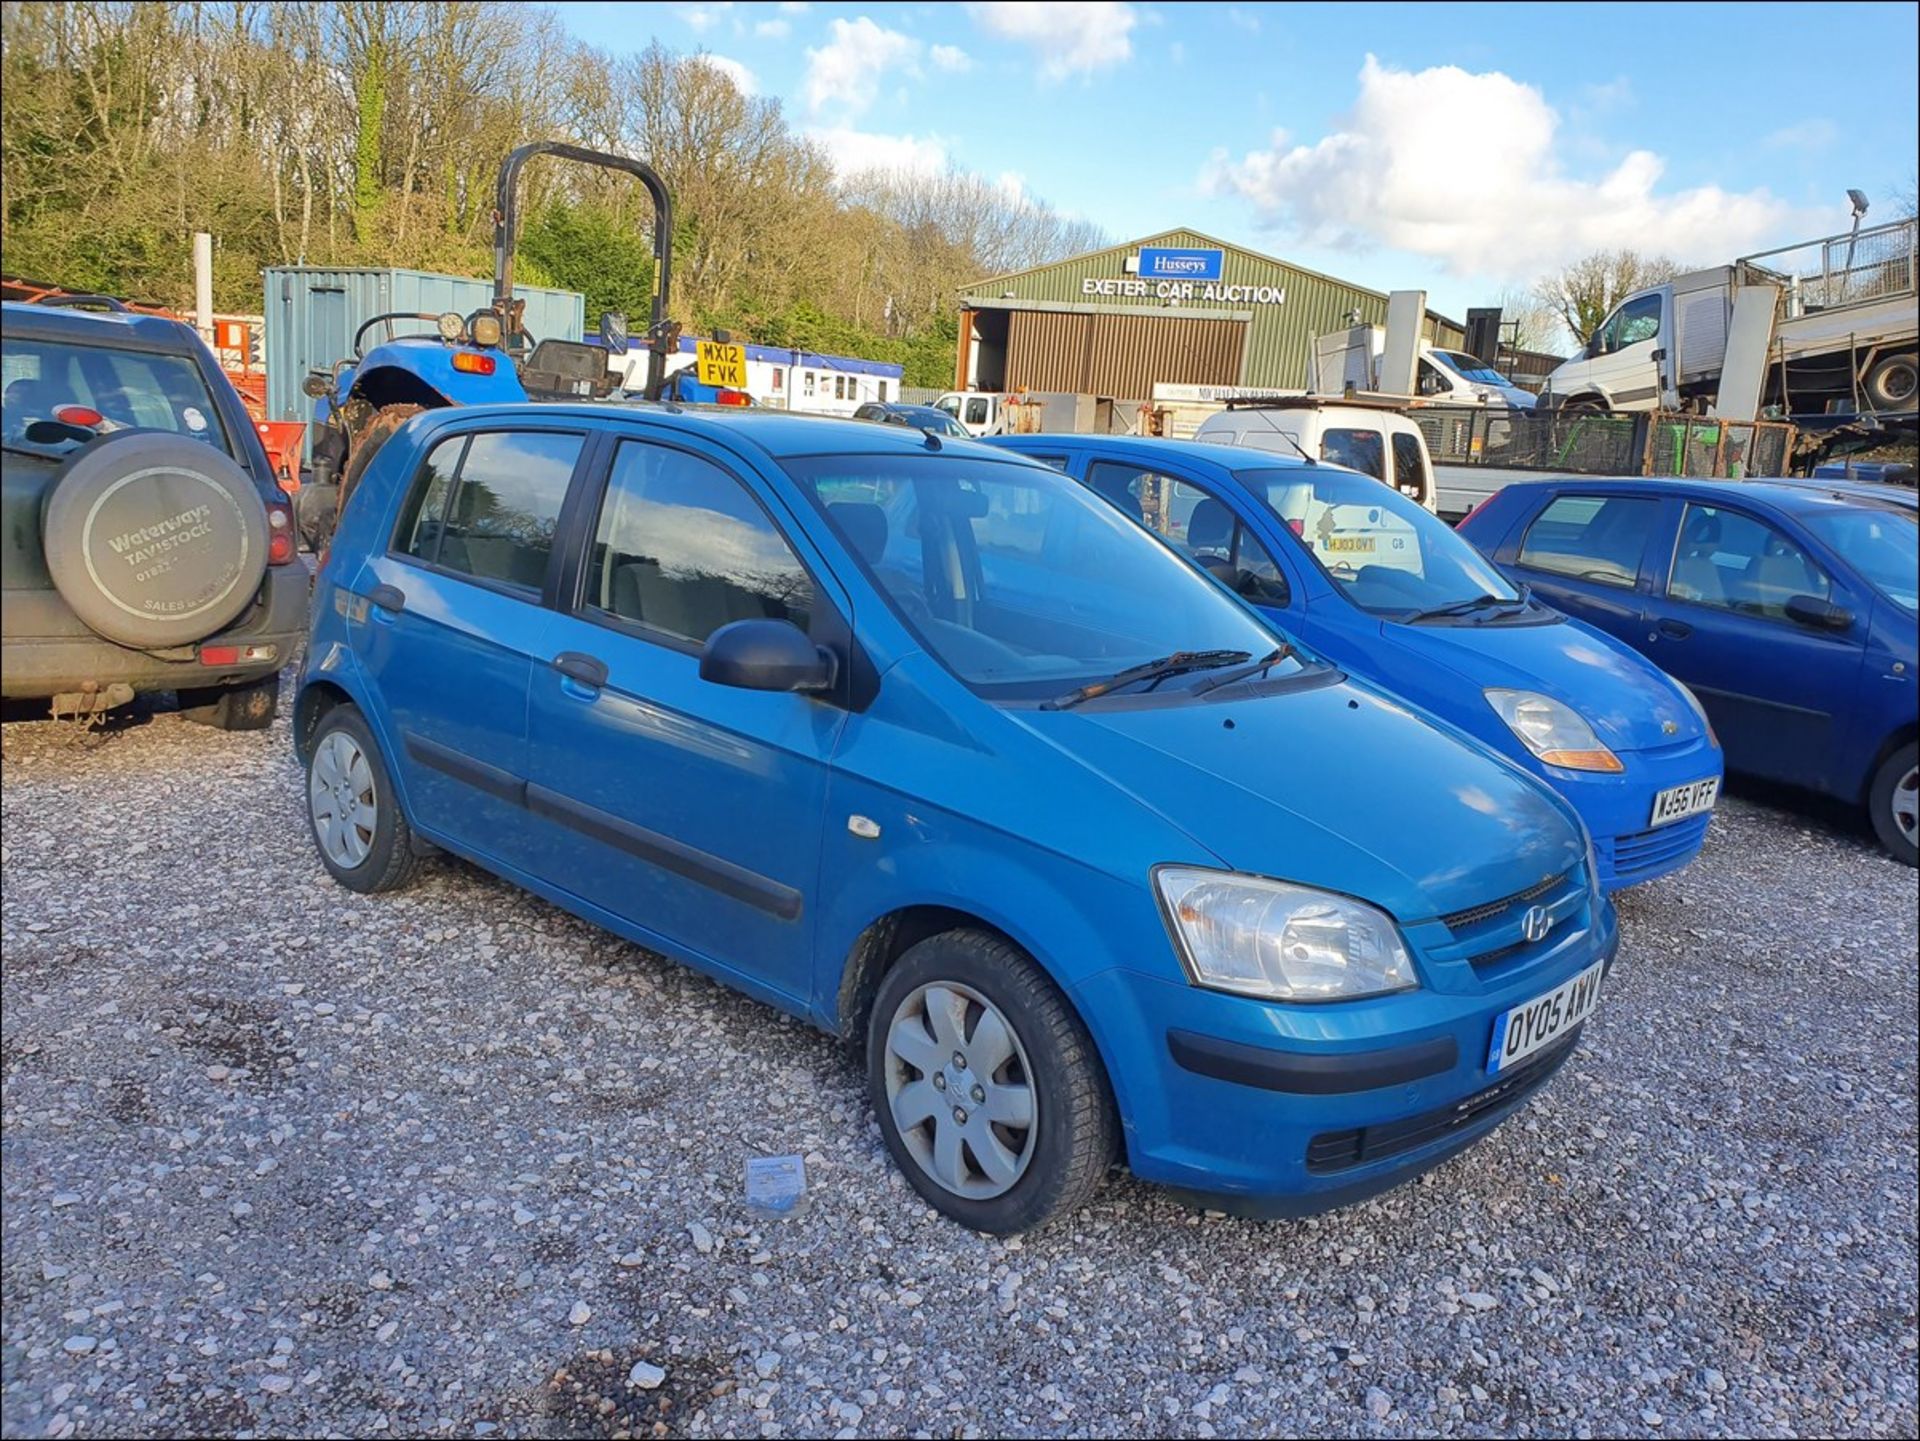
x: 312, y: 313
x: 1277, y: 336
x: 1047, y: 350
x: 1119, y: 355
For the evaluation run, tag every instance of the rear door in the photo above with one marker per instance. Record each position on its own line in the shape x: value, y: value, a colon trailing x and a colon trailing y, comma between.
x: 446, y: 622
x: 1584, y: 552
x: 1719, y: 622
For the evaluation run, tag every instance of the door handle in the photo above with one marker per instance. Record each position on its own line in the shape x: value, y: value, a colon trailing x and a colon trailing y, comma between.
x: 1675, y: 629
x: 388, y: 597
x: 576, y: 665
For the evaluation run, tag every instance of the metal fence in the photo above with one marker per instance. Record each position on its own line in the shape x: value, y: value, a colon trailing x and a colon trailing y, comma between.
x: 1581, y: 443
x: 1841, y: 270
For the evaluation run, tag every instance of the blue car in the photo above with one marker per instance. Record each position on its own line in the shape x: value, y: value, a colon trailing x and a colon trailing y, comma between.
x: 1789, y: 608
x: 925, y: 743
x: 1382, y: 588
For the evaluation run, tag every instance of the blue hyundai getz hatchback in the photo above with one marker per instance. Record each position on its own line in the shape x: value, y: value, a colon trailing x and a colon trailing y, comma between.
x: 925, y: 742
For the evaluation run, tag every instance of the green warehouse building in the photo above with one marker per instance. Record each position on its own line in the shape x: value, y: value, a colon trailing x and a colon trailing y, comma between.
x: 1178, y: 307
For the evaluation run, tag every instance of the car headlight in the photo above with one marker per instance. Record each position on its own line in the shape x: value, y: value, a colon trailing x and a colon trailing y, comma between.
x: 1558, y: 734
x: 1281, y: 942
x: 1706, y: 721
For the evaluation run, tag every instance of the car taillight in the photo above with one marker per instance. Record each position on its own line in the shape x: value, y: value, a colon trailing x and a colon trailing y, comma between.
x: 280, y: 542
x: 733, y: 397
x: 221, y: 655
x: 1298, y: 527
x: 472, y: 364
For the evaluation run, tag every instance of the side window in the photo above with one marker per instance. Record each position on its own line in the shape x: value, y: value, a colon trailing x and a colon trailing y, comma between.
x: 1194, y: 519
x: 1432, y: 382
x: 1591, y: 537
x: 779, y: 379
x: 1729, y: 560
x: 1361, y: 450
x: 883, y: 392
x: 977, y: 410
x: 1410, y: 467
x: 424, y: 519
x: 1058, y: 462
x: 806, y: 378
x: 683, y: 548
x: 506, y: 506
x: 1639, y: 320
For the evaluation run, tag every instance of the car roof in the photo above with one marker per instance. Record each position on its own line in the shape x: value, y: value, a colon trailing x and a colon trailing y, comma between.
x: 1149, y: 448
x: 779, y: 433
x: 1785, y: 493
x: 98, y: 327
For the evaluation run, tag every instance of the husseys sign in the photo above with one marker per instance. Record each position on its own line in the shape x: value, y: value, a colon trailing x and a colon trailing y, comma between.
x: 1162, y: 273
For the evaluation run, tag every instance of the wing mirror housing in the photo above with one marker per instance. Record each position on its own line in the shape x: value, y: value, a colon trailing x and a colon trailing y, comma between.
x: 1818, y: 614
x: 773, y: 655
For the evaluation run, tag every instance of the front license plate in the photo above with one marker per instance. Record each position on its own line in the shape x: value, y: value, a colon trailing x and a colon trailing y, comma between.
x: 1676, y: 803
x: 1538, y: 1023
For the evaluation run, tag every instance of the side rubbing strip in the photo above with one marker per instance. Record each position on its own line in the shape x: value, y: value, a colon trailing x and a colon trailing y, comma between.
x: 711, y: 871
x: 502, y: 785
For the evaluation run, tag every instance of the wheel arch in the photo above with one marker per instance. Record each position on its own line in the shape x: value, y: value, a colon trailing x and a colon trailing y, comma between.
x: 386, y: 385
x: 316, y: 700
x: 1901, y: 735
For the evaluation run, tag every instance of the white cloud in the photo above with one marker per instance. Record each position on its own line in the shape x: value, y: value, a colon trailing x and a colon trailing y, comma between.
x: 744, y: 80
x: 1013, y: 185
x: 1815, y: 134
x: 950, y: 57
x: 704, y: 17
x: 1070, y: 38
x: 854, y: 151
x: 772, y: 29
x: 847, y: 70
x: 1243, y: 19
x: 794, y: 7
x: 1392, y: 175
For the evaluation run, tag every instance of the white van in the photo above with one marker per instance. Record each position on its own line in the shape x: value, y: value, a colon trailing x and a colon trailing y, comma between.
x: 1381, y: 443
x: 978, y: 411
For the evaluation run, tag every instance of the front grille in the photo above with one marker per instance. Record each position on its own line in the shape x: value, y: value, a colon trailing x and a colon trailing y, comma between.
x: 1343, y: 1150
x: 1475, y: 915
x: 1651, y: 850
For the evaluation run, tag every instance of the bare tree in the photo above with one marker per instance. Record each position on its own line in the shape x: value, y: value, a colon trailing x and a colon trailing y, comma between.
x: 1585, y: 292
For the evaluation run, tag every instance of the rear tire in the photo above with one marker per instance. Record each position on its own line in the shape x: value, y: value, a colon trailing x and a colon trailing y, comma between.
x: 1893, y: 803
x: 1031, y: 1058
x: 352, y: 810
x: 1893, y: 383
x: 251, y: 706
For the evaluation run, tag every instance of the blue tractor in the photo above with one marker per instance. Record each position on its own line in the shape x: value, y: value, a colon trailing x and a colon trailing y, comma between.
x: 474, y: 359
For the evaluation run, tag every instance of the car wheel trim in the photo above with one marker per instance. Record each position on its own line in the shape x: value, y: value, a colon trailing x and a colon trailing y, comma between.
x: 340, y: 793
x: 1905, y: 804
x: 960, y: 1090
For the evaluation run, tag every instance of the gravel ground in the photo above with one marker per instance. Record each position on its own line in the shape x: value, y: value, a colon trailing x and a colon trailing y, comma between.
x: 284, y: 1160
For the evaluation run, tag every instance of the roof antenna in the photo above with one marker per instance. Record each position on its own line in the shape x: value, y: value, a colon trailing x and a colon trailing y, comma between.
x: 1284, y: 435
x: 933, y: 437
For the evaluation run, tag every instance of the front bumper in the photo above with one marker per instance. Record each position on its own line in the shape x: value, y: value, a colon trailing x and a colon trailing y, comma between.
x: 1617, y: 810
x: 50, y: 652
x: 1269, y: 1109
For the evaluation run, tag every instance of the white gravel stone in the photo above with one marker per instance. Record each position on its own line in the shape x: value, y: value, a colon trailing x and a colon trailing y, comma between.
x: 645, y: 1376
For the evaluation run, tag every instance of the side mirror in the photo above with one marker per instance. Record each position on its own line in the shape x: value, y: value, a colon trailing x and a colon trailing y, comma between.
x: 1819, y: 614
x: 317, y: 386
x: 766, y: 655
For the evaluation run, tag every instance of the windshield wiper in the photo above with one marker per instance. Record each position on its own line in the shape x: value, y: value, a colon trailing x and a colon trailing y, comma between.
x: 1178, y: 663
x: 1266, y: 663
x: 1482, y: 601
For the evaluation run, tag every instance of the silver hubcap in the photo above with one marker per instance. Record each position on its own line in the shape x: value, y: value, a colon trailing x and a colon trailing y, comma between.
x: 1906, y: 805
x: 340, y: 794
x: 961, y: 1091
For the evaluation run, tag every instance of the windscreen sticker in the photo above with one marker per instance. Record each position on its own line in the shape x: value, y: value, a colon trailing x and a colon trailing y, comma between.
x: 194, y: 419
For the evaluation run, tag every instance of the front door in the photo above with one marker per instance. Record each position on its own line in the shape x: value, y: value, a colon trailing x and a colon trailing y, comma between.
x: 1720, y: 624
x: 1623, y: 367
x: 445, y: 624
x: 690, y: 809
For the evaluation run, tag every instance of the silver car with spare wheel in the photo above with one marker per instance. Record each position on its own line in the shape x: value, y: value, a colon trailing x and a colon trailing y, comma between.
x: 148, y: 546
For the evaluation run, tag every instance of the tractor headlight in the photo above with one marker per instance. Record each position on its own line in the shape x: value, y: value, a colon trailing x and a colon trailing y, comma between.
x: 452, y: 327
x: 485, y: 329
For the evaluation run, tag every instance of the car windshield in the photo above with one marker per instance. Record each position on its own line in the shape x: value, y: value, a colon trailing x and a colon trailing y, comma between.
x: 127, y: 387
x: 1878, y: 543
x: 1389, y: 555
x: 1021, y: 582
x: 1469, y: 367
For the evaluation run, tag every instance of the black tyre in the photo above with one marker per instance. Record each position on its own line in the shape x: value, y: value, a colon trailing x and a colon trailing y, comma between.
x: 358, y: 827
x: 248, y: 707
x: 366, y: 445
x: 154, y: 539
x: 1893, y: 383
x: 987, y: 1087
x: 1893, y: 802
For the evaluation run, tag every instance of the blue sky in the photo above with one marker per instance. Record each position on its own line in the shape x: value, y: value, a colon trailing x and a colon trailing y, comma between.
x: 1460, y: 148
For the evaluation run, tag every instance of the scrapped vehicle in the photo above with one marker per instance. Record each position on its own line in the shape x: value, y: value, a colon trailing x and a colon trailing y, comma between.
x: 920, y: 417
x: 149, y: 546
x: 923, y: 742
x: 1389, y: 593
x: 487, y: 356
x: 1788, y: 608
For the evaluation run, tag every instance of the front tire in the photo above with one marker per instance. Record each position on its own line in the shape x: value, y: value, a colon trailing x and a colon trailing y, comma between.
x: 355, y: 817
x: 986, y: 1084
x: 1893, y: 802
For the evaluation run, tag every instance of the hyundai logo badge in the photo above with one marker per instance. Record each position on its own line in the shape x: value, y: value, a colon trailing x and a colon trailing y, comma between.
x: 1536, y: 923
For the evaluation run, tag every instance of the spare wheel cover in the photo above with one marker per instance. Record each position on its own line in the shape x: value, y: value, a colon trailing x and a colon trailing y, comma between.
x: 155, y: 540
